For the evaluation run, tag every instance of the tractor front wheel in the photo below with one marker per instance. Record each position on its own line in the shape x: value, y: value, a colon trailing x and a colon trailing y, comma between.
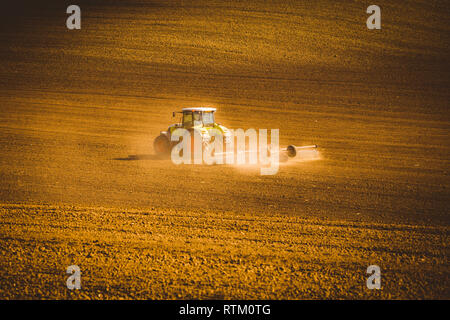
x: 161, y: 146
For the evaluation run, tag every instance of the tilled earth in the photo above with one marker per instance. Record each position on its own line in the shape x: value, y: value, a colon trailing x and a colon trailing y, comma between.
x: 184, y: 255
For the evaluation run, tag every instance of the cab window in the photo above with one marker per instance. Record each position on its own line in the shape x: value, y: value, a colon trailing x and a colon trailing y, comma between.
x: 208, y: 119
x: 187, y: 119
x: 197, y: 115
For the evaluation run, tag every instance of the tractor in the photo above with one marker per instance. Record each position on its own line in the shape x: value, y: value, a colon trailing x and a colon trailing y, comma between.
x: 200, y: 121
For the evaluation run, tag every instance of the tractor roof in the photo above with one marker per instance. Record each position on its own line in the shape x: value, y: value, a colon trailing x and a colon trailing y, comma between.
x: 199, y: 109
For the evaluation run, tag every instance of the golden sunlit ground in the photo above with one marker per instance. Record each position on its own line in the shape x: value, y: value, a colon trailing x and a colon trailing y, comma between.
x: 80, y: 184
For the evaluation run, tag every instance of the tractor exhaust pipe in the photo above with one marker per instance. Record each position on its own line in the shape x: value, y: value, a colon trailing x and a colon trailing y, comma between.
x: 292, y: 150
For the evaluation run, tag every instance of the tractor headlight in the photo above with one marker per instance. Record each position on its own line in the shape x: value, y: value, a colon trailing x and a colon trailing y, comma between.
x: 206, y: 138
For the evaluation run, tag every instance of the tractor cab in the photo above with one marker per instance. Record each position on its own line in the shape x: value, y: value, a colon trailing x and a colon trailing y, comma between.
x: 197, y: 117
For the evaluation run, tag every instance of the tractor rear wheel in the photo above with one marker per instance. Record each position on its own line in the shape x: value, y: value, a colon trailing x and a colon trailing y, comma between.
x: 161, y: 146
